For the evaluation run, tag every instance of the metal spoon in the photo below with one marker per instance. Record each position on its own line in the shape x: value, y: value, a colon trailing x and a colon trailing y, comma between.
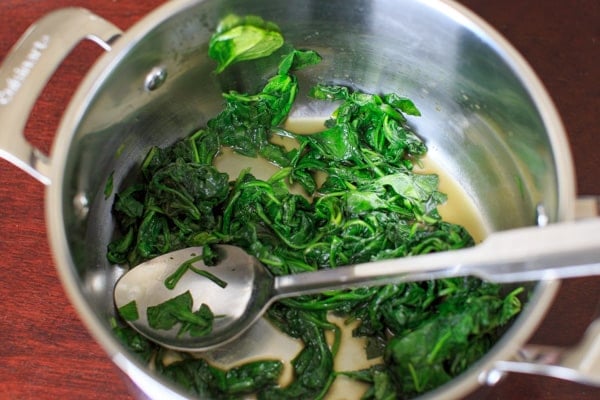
x: 562, y: 250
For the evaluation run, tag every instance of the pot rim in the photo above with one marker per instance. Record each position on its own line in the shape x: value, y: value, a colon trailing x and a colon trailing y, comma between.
x: 156, y: 386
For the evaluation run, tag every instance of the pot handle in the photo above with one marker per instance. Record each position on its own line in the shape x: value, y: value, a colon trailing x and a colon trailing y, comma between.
x: 580, y: 363
x: 27, y: 69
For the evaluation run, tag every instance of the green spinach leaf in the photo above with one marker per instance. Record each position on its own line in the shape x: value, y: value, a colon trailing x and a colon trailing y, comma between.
x: 243, y: 38
x: 178, y: 310
x: 129, y: 311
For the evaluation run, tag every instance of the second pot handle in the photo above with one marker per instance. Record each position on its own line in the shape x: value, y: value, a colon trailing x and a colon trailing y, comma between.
x: 580, y: 363
x: 26, y: 71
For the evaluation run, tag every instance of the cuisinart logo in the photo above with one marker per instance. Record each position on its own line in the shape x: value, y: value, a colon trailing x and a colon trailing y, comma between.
x: 19, y: 74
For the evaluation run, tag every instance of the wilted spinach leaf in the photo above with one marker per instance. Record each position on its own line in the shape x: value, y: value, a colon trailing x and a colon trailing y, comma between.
x: 243, y: 38
x: 129, y: 311
x: 209, y: 382
x: 178, y: 310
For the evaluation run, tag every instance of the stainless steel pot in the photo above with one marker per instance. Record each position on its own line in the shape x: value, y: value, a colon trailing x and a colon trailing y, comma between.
x: 486, y: 118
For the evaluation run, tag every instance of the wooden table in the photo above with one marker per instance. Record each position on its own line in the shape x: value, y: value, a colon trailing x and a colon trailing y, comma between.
x: 46, y: 352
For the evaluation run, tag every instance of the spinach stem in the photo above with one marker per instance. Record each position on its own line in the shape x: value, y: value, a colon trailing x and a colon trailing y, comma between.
x: 174, y: 278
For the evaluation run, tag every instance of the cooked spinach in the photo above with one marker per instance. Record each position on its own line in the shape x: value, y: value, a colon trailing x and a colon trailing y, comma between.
x: 444, y: 346
x: 247, y: 121
x: 129, y: 311
x: 209, y: 382
x: 136, y: 343
x: 243, y: 38
x: 172, y: 279
x: 370, y: 206
x: 178, y: 310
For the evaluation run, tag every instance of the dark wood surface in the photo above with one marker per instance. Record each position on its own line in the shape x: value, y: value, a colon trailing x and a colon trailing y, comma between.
x: 46, y: 352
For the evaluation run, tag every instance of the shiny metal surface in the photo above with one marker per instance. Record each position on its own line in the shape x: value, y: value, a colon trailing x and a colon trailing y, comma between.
x: 27, y: 69
x: 486, y: 118
x: 249, y: 287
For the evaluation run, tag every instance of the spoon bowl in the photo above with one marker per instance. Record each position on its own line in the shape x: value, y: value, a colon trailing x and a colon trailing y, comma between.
x: 238, y: 305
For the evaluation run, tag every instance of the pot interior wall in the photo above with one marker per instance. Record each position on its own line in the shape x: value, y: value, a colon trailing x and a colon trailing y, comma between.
x: 478, y: 119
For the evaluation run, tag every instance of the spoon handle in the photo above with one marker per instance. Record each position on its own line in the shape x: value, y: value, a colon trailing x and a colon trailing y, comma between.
x: 560, y: 250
